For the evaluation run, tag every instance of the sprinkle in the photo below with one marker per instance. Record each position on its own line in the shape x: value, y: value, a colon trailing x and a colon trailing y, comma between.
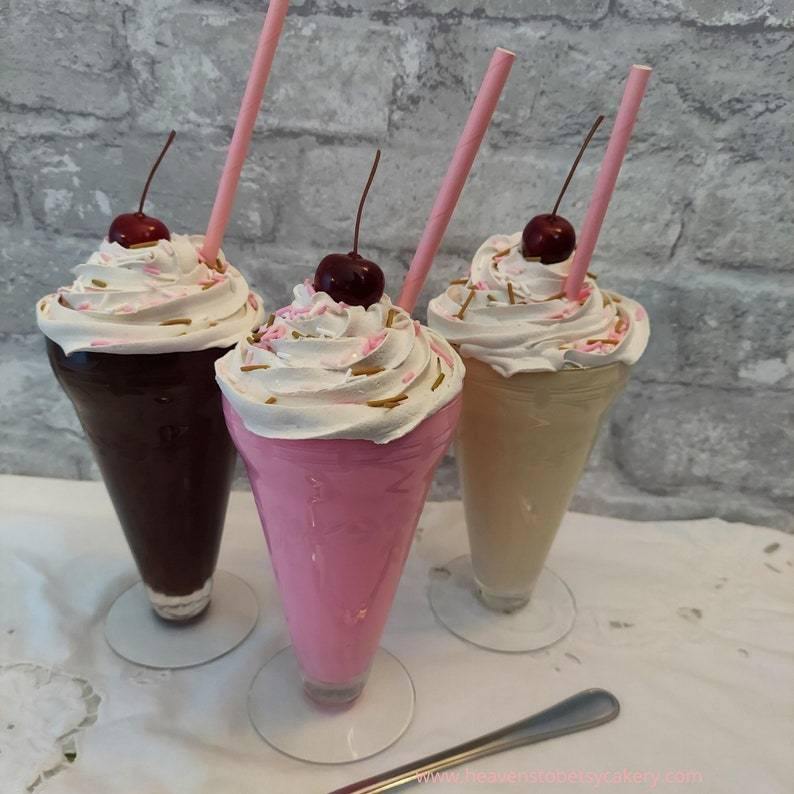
x: 532, y: 259
x: 307, y: 282
x: 101, y: 342
x: 390, y: 317
x: 417, y: 328
x: 97, y: 282
x: 555, y: 297
x: 270, y: 320
x: 459, y: 281
x: 387, y: 402
x: 500, y: 254
x: 208, y: 286
x: 481, y: 285
x: 149, y: 244
x: 409, y: 376
x: 602, y: 341
x: 296, y: 335
x: 252, y: 367
x: 465, y: 306
x: 177, y: 321
x: 355, y: 371
x: 592, y: 275
x: 151, y: 270
x: 491, y: 297
x: 270, y: 400
x: 373, y: 343
x: 442, y: 354
x: 83, y: 307
x: 510, y: 294
x: 438, y: 381
x: 212, y: 323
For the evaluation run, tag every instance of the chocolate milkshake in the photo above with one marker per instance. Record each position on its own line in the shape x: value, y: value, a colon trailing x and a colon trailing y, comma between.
x: 133, y: 342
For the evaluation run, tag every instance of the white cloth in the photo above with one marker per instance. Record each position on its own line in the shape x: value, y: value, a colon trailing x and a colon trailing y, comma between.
x: 689, y: 623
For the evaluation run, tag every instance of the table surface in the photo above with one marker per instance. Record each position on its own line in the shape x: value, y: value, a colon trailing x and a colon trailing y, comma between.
x: 689, y: 623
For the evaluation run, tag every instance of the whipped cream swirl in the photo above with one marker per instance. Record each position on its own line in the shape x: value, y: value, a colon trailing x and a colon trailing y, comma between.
x: 322, y: 369
x: 512, y: 314
x: 162, y: 298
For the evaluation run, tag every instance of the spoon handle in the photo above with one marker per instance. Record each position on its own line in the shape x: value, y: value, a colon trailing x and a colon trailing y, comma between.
x: 587, y: 709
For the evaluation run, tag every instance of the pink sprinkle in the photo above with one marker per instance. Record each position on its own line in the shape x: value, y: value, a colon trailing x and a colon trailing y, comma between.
x: 307, y: 282
x: 101, y: 342
x: 481, y: 285
x: 83, y: 307
x: 417, y: 328
x: 640, y: 314
x: 252, y: 300
x: 151, y: 270
x: 442, y: 354
x: 319, y: 309
x: 343, y: 305
x: 104, y: 257
x: 127, y: 308
x: 409, y: 376
x: 249, y: 356
x: 373, y: 343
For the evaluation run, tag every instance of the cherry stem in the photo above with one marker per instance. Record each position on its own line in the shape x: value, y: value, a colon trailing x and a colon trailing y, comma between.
x: 156, y: 165
x: 364, y: 198
x: 568, y: 179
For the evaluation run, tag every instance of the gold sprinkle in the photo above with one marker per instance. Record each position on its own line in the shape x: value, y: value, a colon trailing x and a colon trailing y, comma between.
x: 208, y: 286
x: 510, y: 294
x: 97, y: 282
x: 459, y: 281
x: 532, y: 259
x: 366, y: 370
x: 252, y: 367
x: 177, y: 321
x: 387, y: 402
x: 270, y: 400
x: 500, y: 254
x: 390, y: 317
x: 42, y: 305
x: 603, y: 341
x: 148, y: 244
x: 466, y: 303
x: 218, y: 265
x: 491, y: 297
x: 297, y: 335
x: 554, y: 297
x: 212, y: 323
x: 592, y: 275
x: 438, y: 381
x: 270, y: 320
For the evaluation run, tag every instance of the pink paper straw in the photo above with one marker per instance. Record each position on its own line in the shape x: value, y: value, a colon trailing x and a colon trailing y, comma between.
x: 450, y: 190
x: 607, y: 176
x: 246, y: 118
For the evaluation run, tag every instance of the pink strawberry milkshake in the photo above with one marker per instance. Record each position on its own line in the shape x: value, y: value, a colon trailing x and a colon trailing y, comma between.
x: 341, y: 415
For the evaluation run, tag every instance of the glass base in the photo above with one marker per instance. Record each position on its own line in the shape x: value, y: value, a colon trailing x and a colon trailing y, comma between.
x: 457, y: 602
x: 292, y: 722
x: 135, y: 632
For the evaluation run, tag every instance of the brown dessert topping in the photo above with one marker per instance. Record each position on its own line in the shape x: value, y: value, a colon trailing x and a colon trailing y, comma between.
x: 252, y: 367
x: 366, y: 370
x: 177, y: 321
x: 97, y: 282
x: 466, y: 303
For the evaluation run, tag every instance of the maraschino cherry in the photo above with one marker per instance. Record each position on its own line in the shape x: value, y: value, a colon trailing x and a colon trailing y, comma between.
x: 550, y: 236
x: 349, y: 278
x: 136, y: 228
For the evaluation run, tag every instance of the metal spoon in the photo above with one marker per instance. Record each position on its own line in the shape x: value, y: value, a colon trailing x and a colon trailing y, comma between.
x: 587, y: 709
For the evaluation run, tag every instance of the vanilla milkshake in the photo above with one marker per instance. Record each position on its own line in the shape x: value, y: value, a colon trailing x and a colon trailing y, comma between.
x: 541, y: 373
